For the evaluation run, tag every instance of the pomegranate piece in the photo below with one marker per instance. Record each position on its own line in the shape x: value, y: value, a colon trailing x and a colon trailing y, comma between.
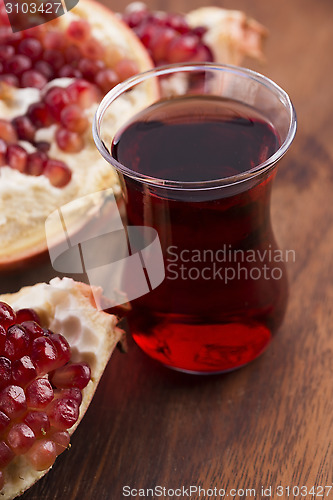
x: 27, y: 314
x: 5, y: 371
x: 24, y: 127
x: 39, y: 393
x: 63, y: 413
x: 36, y: 163
x: 6, y: 454
x: 17, y: 342
x: 3, y: 153
x: 71, y: 375
x: 33, y: 78
x: 20, y: 438
x: 39, y: 422
x: 73, y: 119
x: 56, y: 99
x: 17, y: 157
x: 31, y: 47
x: 12, y: 401
x: 7, y: 315
x: 8, y: 134
x: 17, y: 65
x: 58, y: 173
x: 23, y: 371
x: 42, y: 454
x: 78, y: 30
x: 43, y: 354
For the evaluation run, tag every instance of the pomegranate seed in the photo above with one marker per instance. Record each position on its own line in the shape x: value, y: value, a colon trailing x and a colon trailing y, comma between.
x: 20, y: 438
x: 8, y: 134
x: 71, y: 375
x: 5, y: 33
x: 25, y: 131
x: 39, y: 393
x: 6, y: 52
x: 182, y: 48
x: 89, y: 68
x: 17, y: 157
x: 73, y: 119
x: 43, y: 354
x: 7, y: 315
x: 45, y: 69
x: 3, y: 152
x: 33, y: 78
x: 54, y: 40
x: 56, y: 99
x: 42, y: 454
x: 3, y: 334
x: 4, y: 421
x: 36, y: 163
x: 54, y: 57
x: 33, y: 328
x: 18, y: 64
x: 58, y: 173
x: 6, y: 455
x: 92, y: 49
x: 178, y: 23
x: 11, y: 80
x: 199, y: 31
x: 5, y: 371
x: 30, y: 47
x: 72, y: 54
x: 135, y: 18
x: 68, y: 141
x: 83, y: 93
x: 12, y: 401
x: 62, y: 347
x: 27, y: 314
x: 23, y: 371
x: 203, y: 54
x: 61, y: 440
x: 17, y: 342
x: 39, y: 114
x: 106, y: 79
x: 68, y: 71
x: 160, y: 43
x: 146, y: 32
x: 63, y: 413
x: 38, y: 421
x: 73, y: 393
x: 43, y: 146
x: 79, y: 30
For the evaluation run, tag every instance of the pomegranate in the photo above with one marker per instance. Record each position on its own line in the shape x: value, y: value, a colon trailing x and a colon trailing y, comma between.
x: 45, y: 384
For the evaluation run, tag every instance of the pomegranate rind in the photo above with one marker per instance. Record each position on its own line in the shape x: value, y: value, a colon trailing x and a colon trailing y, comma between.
x: 231, y: 34
x: 22, y: 232
x: 74, y: 310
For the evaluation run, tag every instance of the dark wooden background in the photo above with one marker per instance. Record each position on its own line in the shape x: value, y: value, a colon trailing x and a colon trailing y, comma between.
x: 271, y: 422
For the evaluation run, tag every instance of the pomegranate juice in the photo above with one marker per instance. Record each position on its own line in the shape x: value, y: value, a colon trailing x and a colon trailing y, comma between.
x: 225, y: 287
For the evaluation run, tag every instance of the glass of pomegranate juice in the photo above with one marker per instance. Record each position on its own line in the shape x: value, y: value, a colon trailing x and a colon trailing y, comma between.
x: 196, y: 149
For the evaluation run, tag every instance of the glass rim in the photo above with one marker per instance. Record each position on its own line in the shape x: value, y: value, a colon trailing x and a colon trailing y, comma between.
x: 130, y: 83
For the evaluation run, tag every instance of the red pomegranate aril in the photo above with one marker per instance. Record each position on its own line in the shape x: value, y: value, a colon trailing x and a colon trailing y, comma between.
x: 89, y: 68
x: 72, y: 54
x: 54, y: 57
x: 3, y: 153
x: 39, y: 393
x: 36, y: 163
x: 6, y: 52
x: 9, y: 135
x: 34, y: 329
x: 146, y: 32
x: 17, y: 64
x: 23, y: 371
x: 54, y: 40
x: 17, y: 343
x: 45, y: 69
x: 5, y: 371
x: 34, y: 79
x: 12, y: 401
x: 25, y: 129
x: 106, y: 79
x: 68, y: 71
x: 42, y: 454
x: 73, y: 119
x: 27, y: 314
x: 92, y: 49
x: 17, y: 157
x: 71, y: 375
x: 30, y: 47
x: 160, y: 42
x: 199, y: 31
x: 61, y: 440
x: 73, y: 393
x: 43, y: 146
x: 182, y: 48
x: 58, y: 173
x: 203, y: 54
x: 83, y: 93
x: 3, y: 334
x: 43, y: 354
x: 39, y: 114
x: 63, y: 413
x: 4, y: 421
x: 39, y: 422
x: 78, y: 31
x: 68, y: 141
x: 56, y: 99
x: 178, y: 23
x: 20, y: 438
x: 11, y: 80
x: 62, y: 347
x: 7, y: 314
x: 6, y: 455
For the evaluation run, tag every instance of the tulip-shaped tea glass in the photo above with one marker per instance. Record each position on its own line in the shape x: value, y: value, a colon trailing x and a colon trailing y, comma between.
x: 196, y: 150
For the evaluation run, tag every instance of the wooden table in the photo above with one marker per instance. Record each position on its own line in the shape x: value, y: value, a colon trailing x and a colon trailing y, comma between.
x: 270, y: 423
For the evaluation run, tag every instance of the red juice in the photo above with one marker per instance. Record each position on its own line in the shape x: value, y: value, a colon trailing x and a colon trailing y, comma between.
x: 225, y: 289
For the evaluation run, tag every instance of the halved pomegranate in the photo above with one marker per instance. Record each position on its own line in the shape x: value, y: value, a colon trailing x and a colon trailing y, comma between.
x: 54, y: 346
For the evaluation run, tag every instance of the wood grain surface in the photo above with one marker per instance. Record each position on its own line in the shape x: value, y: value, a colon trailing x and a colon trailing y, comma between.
x: 270, y: 423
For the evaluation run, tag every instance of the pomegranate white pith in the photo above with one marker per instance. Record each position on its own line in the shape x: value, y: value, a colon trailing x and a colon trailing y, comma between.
x: 70, y: 308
